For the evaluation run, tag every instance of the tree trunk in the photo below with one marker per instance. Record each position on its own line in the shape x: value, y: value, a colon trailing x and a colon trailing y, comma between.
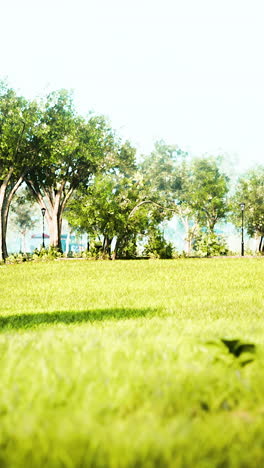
x: 24, y: 246
x: 54, y: 225
x: 7, y: 190
x: 188, y: 234
x: 3, y: 248
x: 107, y: 245
x: 115, y: 251
x: 261, y: 244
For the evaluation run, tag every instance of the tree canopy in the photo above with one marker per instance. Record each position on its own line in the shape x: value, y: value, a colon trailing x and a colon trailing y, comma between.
x: 69, y: 150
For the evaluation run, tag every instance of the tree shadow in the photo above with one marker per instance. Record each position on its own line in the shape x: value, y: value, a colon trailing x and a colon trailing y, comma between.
x: 26, y: 321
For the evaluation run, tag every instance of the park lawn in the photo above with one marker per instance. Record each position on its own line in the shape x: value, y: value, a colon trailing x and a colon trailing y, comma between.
x: 132, y: 364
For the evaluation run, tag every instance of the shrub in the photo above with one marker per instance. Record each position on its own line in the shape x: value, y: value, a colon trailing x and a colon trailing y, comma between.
x: 18, y: 258
x: 158, y: 247
x: 208, y: 245
x: 46, y: 254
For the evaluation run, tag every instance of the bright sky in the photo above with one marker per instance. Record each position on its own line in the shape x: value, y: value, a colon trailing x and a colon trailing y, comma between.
x: 190, y: 72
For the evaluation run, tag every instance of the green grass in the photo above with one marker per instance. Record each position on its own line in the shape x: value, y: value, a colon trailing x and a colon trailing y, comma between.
x: 131, y: 364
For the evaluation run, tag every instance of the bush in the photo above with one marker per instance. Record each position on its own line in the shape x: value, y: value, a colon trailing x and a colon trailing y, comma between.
x: 50, y: 253
x: 18, y: 258
x: 208, y: 245
x: 158, y: 247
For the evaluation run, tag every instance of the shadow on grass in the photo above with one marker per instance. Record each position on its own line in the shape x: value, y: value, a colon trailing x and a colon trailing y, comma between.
x: 18, y: 321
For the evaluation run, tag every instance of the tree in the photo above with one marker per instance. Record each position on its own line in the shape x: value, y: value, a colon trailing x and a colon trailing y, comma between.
x: 250, y: 190
x: 194, y: 190
x: 161, y: 174
x: 202, y: 198
x: 69, y: 149
x: 167, y: 172
x: 116, y: 204
x: 207, y: 191
x: 23, y: 216
x: 17, y: 119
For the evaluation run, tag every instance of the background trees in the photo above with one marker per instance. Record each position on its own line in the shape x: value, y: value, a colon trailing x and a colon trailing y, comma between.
x: 195, y: 190
x: 70, y: 161
x: 250, y: 190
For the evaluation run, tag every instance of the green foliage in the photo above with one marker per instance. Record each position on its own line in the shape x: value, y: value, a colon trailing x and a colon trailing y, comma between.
x: 128, y: 246
x: 69, y: 149
x: 57, y: 152
x: 116, y: 204
x: 39, y: 255
x: 161, y: 168
x: 18, y: 118
x: 47, y: 254
x: 193, y: 189
x: 18, y: 258
x: 204, y: 191
x: 157, y: 246
x: 250, y: 190
x: 209, y: 244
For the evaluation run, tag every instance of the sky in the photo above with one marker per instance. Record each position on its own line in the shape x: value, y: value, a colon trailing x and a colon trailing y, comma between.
x: 190, y: 72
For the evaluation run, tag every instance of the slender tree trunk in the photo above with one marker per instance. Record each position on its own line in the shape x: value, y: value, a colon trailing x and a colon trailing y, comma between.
x: 107, y: 245
x: 261, y: 244
x: 115, y: 251
x: 185, y: 216
x: 188, y: 237
x: 3, y: 229
x: 3, y: 249
x: 24, y: 247
x: 7, y: 190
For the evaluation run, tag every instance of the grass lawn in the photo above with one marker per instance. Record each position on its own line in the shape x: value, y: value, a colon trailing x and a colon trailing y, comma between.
x: 132, y: 364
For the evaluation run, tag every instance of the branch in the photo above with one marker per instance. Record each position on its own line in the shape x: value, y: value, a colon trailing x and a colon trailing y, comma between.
x: 143, y: 203
x: 8, y: 200
x: 20, y: 138
x: 66, y: 198
x: 49, y: 195
x: 14, y: 188
x: 37, y: 195
x: 7, y: 178
x: 149, y: 202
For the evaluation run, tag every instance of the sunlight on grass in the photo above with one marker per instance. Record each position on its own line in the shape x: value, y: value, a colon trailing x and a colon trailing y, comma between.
x: 132, y: 364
